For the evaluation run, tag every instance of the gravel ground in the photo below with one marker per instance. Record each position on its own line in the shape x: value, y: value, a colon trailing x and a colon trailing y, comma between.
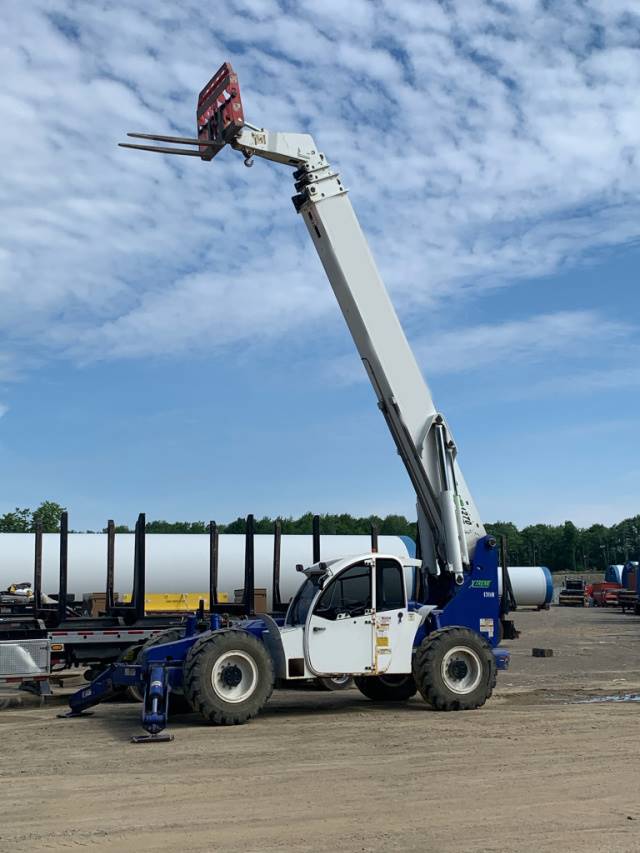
x: 539, y: 768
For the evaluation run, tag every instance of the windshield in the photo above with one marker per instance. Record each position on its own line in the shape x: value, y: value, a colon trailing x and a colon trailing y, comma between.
x: 299, y: 607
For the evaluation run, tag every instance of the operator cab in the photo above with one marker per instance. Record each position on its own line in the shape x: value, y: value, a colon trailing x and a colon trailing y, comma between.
x: 354, y: 616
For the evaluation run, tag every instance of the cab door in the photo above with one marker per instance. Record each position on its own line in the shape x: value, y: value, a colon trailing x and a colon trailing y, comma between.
x: 339, y: 635
x: 395, y: 626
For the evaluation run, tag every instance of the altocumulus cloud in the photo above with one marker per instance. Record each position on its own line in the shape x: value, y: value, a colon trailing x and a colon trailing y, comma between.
x: 484, y: 142
x: 565, y: 334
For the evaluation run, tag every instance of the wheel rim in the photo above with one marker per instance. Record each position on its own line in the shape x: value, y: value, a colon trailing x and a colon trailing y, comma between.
x: 461, y: 670
x: 339, y: 680
x: 234, y: 676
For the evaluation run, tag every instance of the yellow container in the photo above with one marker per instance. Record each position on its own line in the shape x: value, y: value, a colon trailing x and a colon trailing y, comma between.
x: 175, y: 602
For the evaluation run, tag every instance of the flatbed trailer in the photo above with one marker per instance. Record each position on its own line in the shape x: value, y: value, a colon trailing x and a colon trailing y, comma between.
x: 95, y: 642
x: 628, y: 601
x: 573, y: 593
x: 80, y: 640
x: 25, y: 653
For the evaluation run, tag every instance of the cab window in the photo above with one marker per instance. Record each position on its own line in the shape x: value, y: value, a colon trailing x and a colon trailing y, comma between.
x: 299, y: 607
x: 348, y: 595
x: 390, y: 591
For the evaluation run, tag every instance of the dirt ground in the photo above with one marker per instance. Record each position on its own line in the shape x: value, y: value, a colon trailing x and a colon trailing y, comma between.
x: 537, y: 769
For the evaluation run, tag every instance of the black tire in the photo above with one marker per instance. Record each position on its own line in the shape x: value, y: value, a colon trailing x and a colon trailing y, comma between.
x: 451, y: 680
x: 178, y: 703
x: 387, y: 688
x: 248, y: 661
x: 335, y: 683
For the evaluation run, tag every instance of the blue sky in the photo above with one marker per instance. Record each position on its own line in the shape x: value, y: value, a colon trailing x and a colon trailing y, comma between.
x: 169, y: 343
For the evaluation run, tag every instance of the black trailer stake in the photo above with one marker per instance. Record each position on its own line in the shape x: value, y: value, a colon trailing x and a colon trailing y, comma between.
x: 111, y: 549
x: 64, y: 553
x: 139, y: 568
x: 249, y: 565
x: 374, y: 538
x: 316, y: 539
x: 213, y: 565
x: 276, y: 601
x: 37, y: 569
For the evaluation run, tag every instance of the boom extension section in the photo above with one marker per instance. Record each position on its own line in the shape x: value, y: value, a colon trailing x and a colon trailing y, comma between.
x: 448, y: 521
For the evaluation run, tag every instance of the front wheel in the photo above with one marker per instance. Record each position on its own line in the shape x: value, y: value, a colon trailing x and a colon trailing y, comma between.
x: 228, y: 677
x: 454, y: 669
x: 387, y: 688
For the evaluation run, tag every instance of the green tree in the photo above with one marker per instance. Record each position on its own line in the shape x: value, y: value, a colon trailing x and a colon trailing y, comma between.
x: 176, y: 527
x: 48, y: 513
x: 561, y: 547
x: 18, y: 521
x: 568, y: 544
x: 237, y: 526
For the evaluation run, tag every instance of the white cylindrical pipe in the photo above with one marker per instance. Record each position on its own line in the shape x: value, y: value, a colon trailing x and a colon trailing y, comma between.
x: 177, y: 562
x: 532, y: 585
x: 613, y: 573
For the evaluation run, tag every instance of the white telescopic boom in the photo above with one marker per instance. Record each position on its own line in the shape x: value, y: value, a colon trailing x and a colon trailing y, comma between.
x: 448, y: 522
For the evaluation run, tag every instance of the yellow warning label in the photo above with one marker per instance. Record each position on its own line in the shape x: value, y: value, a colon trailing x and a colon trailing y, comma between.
x: 382, y: 641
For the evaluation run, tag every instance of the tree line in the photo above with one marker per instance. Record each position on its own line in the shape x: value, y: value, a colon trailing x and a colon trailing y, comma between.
x: 24, y: 520
x: 561, y: 547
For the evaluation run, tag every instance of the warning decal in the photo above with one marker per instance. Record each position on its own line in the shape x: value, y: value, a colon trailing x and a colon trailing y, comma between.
x: 486, y: 627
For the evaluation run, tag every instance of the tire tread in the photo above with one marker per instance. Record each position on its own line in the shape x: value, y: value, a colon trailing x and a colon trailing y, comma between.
x: 425, y: 664
x: 193, y: 678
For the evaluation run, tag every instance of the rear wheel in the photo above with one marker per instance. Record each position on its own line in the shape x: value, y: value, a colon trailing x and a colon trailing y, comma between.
x: 228, y: 677
x: 387, y: 688
x: 455, y: 669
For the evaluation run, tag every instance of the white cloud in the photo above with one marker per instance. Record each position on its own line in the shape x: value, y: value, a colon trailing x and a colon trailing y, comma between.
x: 589, y: 382
x: 3, y: 410
x: 530, y: 340
x: 9, y: 370
x: 483, y: 143
x: 569, y: 334
x: 206, y: 310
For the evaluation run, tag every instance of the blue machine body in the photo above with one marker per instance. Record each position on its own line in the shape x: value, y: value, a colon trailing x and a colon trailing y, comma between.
x: 549, y: 580
x: 476, y: 604
x: 630, y: 567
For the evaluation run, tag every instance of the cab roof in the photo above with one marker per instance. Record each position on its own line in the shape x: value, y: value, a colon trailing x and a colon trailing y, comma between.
x: 334, y: 567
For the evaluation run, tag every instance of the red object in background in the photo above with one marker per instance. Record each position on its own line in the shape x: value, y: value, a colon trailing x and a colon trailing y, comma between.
x: 604, y: 594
